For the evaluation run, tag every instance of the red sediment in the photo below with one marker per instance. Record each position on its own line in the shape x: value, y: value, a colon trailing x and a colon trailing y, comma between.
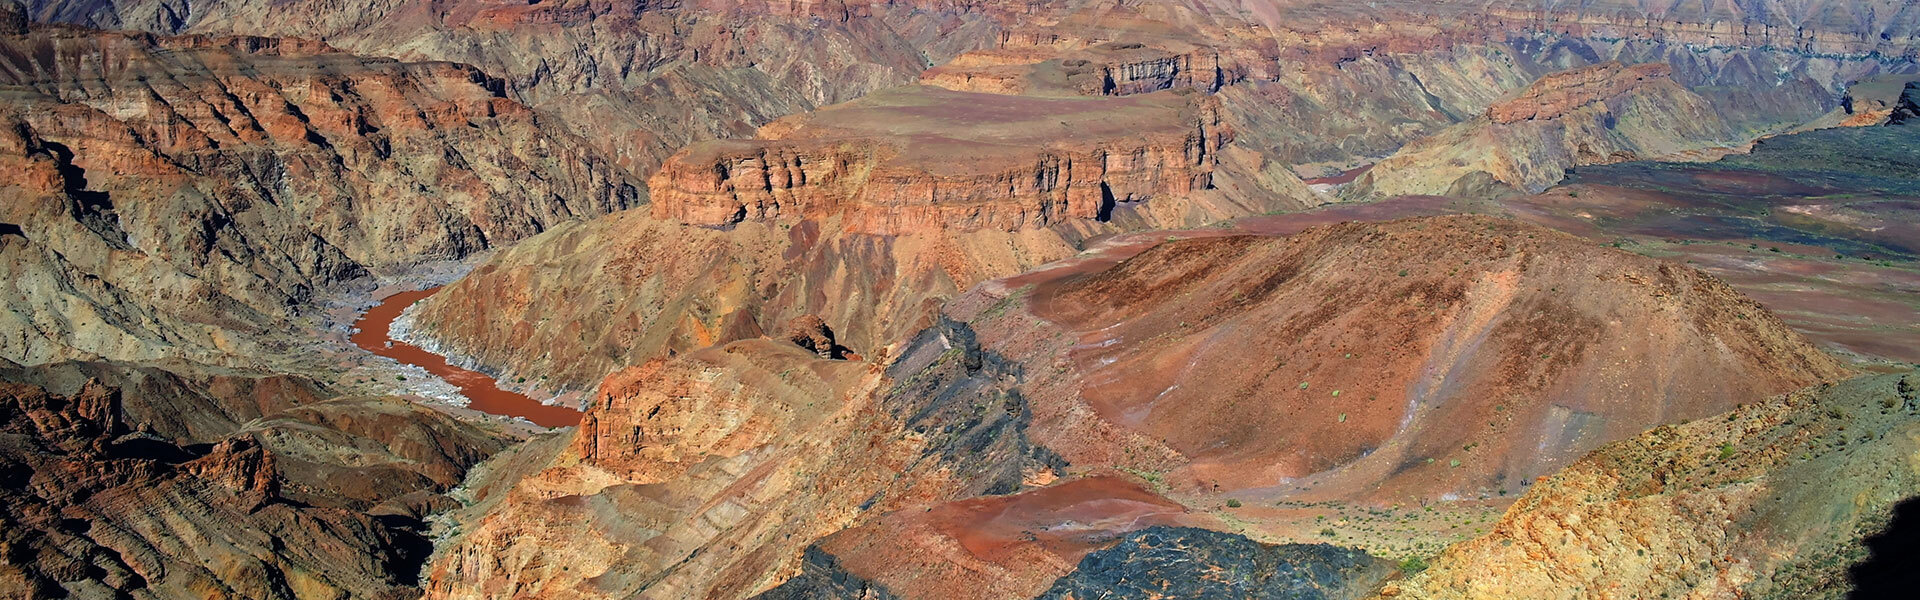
x: 487, y: 397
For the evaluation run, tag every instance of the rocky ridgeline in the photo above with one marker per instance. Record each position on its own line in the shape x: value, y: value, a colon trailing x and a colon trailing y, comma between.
x: 1558, y: 94
x: 1139, y: 367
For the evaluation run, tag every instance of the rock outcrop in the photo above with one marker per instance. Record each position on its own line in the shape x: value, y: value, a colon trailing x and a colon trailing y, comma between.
x: 1774, y: 499
x: 920, y: 159
x: 706, y: 475
x: 185, y: 196
x: 99, y: 502
x: 1183, y: 562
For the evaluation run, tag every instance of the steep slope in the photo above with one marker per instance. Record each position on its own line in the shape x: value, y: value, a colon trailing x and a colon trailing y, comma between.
x: 319, y: 499
x: 569, y: 307
x: 1771, y: 500
x: 1605, y: 113
x: 182, y: 197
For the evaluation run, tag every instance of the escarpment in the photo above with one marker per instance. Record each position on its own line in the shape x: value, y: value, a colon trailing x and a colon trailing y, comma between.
x: 920, y: 159
x: 184, y: 197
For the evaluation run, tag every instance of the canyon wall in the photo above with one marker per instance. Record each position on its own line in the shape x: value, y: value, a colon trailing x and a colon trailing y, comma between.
x: 182, y: 197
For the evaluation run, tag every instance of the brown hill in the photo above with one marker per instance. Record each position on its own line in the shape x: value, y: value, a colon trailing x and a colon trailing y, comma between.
x: 1417, y: 358
x: 690, y: 476
x: 566, y: 309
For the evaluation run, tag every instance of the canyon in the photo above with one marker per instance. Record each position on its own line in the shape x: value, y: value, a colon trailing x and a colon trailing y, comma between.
x: 915, y: 299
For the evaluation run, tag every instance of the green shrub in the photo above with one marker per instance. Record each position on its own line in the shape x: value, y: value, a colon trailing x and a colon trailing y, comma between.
x: 1413, y: 564
x: 1233, y: 503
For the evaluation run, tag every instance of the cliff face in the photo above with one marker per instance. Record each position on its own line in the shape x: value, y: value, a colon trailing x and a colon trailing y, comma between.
x: 636, y: 79
x: 1771, y: 500
x: 304, y: 502
x: 1602, y: 114
x: 925, y: 159
x: 183, y: 196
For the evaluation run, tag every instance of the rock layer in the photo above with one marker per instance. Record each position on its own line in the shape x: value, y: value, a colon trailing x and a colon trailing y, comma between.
x: 184, y: 197
x: 920, y: 159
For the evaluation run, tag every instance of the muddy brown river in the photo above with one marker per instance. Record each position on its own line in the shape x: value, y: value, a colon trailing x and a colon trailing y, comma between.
x: 486, y: 395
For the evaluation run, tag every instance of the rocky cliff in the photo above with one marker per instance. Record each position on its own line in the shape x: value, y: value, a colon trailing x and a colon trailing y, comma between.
x: 1775, y: 499
x: 184, y: 196
x: 923, y: 159
x: 1112, y: 69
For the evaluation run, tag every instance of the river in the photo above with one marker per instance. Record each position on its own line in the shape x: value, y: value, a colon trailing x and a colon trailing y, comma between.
x: 486, y: 395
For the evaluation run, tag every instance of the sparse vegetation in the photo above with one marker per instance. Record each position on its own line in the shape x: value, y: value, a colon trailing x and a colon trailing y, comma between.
x: 1412, y: 565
